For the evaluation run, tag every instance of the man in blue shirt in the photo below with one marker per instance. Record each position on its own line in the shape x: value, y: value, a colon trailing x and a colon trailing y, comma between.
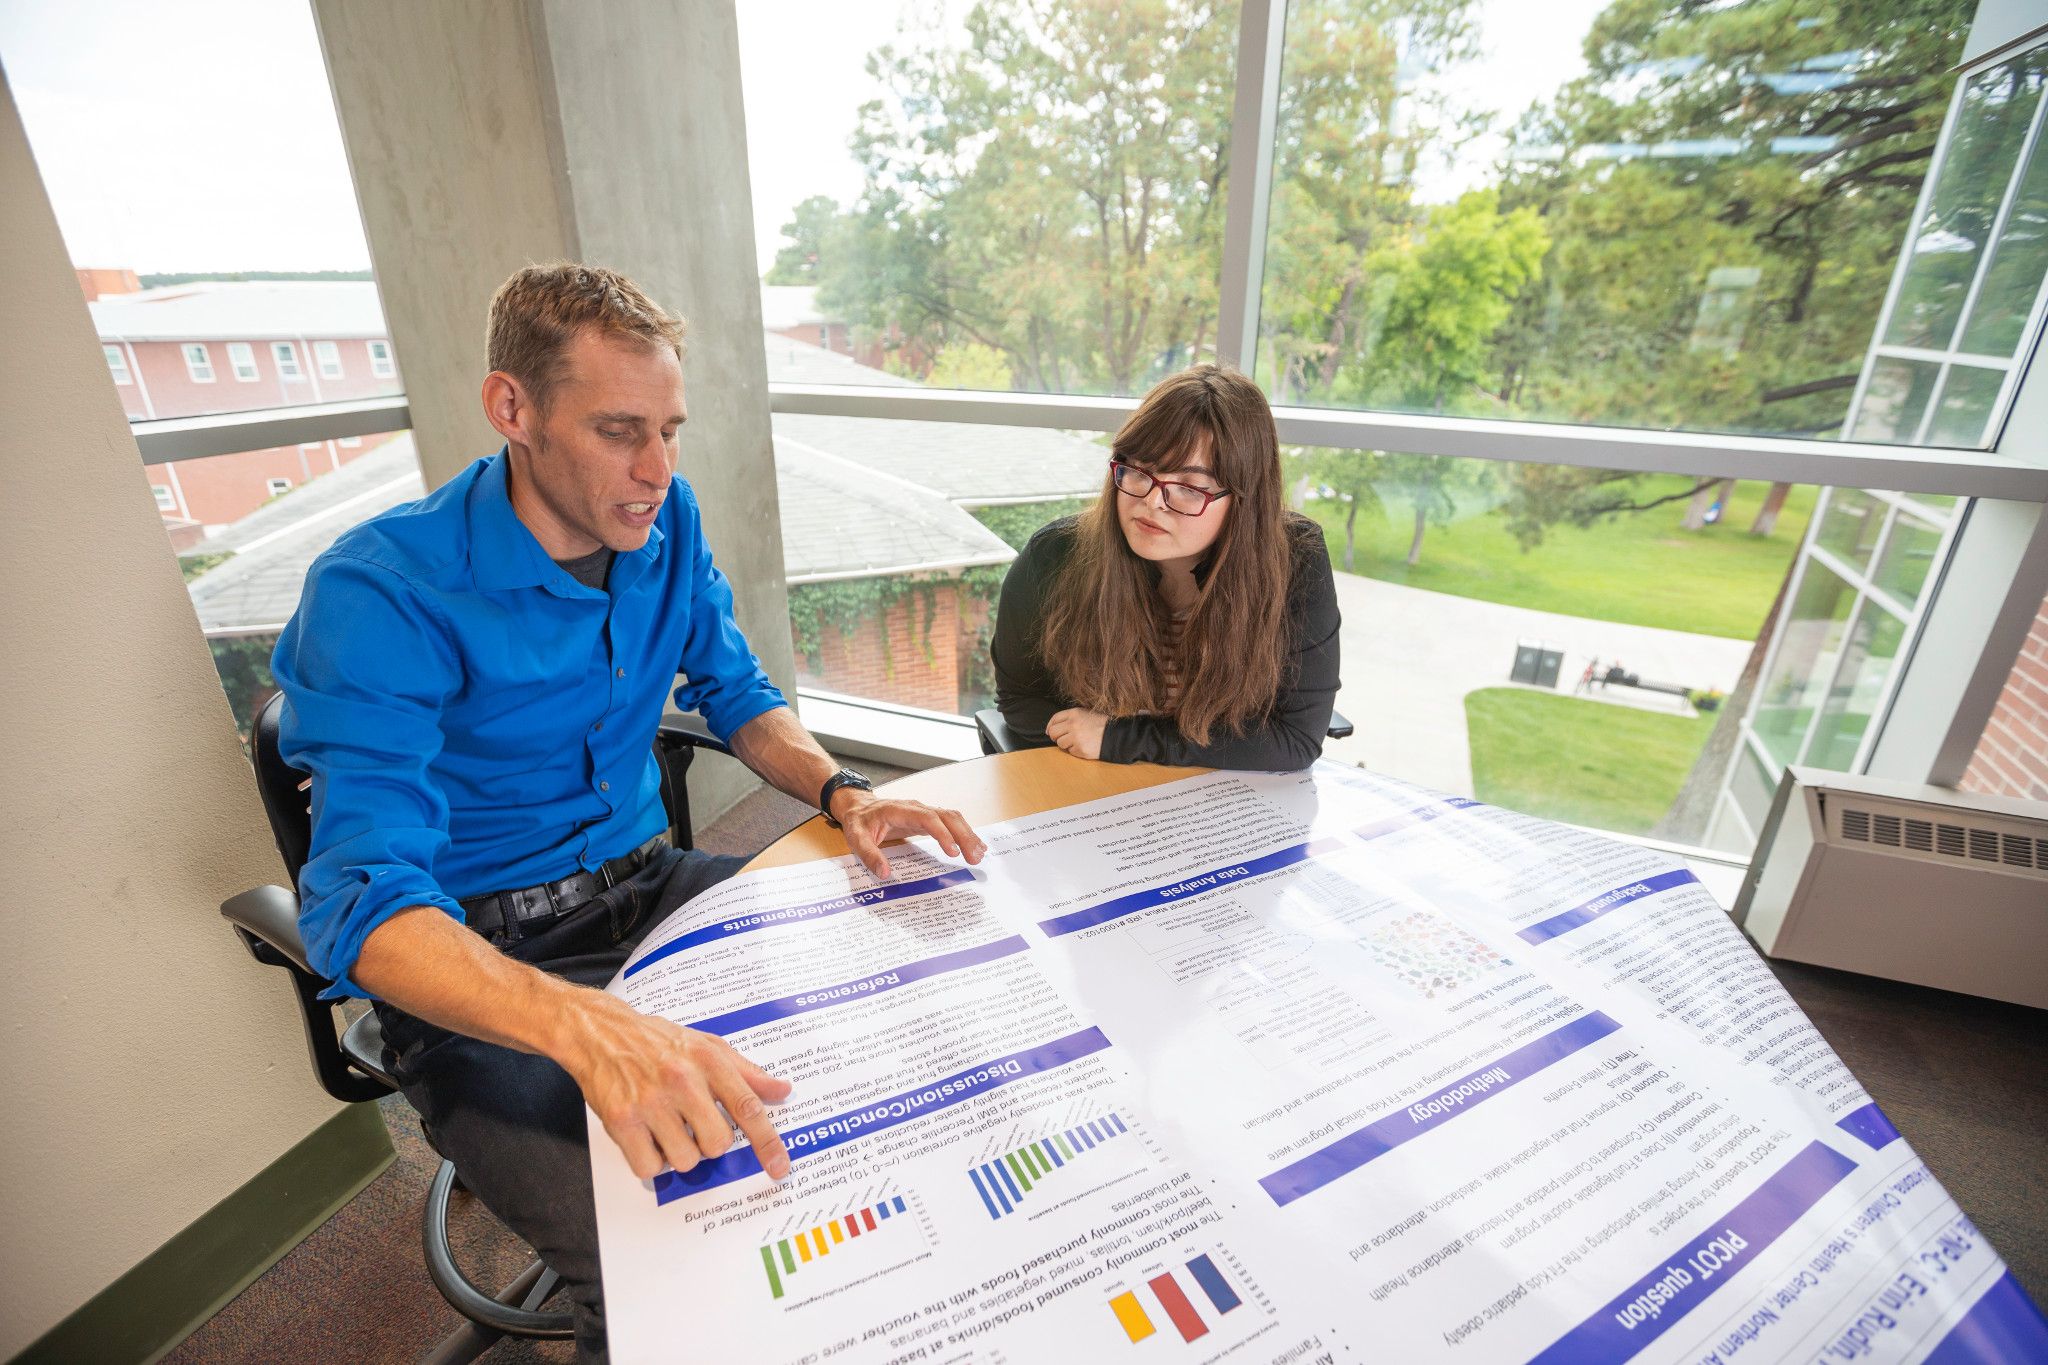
x: 474, y: 681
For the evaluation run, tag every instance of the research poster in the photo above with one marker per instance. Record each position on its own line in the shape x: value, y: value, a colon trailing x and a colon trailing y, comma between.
x: 1315, y: 1067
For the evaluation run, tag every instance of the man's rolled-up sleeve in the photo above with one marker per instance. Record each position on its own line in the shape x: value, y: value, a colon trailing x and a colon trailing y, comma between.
x: 366, y: 667
x: 723, y: 681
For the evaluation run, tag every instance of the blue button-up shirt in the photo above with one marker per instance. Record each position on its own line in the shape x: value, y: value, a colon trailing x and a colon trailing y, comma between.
x: 475, y: 719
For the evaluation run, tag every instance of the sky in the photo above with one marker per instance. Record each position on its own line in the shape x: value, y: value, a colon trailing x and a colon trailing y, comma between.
x: 156, y: 160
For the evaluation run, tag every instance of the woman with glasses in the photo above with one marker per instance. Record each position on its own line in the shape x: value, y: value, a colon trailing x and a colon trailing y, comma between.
x: 1186, y: 617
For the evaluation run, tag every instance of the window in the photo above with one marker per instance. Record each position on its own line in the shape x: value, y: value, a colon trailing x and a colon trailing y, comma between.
x: 242, y: 360
x: 117, y: 365
x: 380, y: 360
x: 198, y: 363
x: 1649, y: 216
x: 245, y: 576
x: 287, y: 357
x: 328, y: 356
x: 166, y: 501
x: 1965, y: 293
x: 1086, y: 262
x: 350, y: 442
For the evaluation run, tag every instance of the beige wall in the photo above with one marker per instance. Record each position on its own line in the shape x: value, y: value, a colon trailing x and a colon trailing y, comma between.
x: 150, y: 1067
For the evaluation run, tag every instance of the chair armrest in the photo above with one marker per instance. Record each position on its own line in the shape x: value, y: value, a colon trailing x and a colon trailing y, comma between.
x: 689, y: 732
x: 995, y: 733
x: 1340, y: 728
x: 268, y: 918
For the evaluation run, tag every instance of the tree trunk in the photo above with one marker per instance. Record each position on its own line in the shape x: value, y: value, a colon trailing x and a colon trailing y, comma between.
x: 1703, y: 502
x: 1692, y: 810
x: 1696, y: 510
x: 1350, y: 535
x: 1415, y: 545
x: 1767, y: 515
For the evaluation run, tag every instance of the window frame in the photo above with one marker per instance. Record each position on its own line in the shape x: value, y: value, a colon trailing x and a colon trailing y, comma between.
x: 117, y: 364
x: 241, y: 354
x: 198, y: 361
x: 383, y: 365
x: 327, y: 360
x: 285, y: 356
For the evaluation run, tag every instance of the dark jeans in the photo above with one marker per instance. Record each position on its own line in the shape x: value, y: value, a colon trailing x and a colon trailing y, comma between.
x: 513, y: 1123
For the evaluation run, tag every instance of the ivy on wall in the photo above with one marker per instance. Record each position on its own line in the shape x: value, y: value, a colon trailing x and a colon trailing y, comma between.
x: 844, y: 604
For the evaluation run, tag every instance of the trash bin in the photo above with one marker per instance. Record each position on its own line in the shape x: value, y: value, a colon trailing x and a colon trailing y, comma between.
x: 1537, y: 663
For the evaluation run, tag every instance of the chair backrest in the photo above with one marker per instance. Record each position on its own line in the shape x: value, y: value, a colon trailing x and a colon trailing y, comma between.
x: 287, y: 793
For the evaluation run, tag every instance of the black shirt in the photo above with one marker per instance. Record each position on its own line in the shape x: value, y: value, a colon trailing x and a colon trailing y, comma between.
x: 1289, y: 737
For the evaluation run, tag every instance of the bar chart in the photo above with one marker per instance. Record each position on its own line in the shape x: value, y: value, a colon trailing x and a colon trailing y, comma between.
x: 1172, y: 1300
x: 1004, y: 1182
x: 785, y: 1257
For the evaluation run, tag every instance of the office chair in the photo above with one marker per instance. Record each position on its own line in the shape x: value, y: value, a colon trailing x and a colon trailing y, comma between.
x: 998, y: 738
x: 350, y: 1063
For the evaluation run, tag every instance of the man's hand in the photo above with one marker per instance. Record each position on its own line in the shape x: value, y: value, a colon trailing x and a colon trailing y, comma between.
x: 868, y: 820
x: 1078, y: 731
x: 663, y: 1091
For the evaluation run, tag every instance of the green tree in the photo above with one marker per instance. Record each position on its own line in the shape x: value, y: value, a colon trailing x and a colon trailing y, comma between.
x: 811, y: 223
x: 1726, y: 190
x: 969, y: 365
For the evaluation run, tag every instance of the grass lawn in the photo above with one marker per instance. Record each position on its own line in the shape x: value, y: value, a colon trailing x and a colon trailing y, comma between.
x: 1638, y: 568
x: 1584, y: 762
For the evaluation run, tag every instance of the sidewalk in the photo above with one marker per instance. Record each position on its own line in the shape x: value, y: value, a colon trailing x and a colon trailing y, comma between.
x: 1410, y: 656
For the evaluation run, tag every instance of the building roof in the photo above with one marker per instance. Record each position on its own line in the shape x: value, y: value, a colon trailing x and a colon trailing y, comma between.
x: 232, y: 310
x: 840, y: 521
x: 790, y: 305
x: 798, y: 362
x: 860, y: 497
x: 968, y: 464
x: 275, y: 544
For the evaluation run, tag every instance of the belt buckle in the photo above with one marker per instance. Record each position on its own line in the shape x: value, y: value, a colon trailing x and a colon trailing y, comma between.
x: 604, y: 872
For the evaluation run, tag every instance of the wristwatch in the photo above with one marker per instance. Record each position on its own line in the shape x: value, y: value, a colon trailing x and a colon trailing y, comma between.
x: 845, y: 777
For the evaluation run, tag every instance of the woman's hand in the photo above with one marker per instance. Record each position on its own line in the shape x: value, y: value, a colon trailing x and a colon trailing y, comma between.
x: 1078, y: 731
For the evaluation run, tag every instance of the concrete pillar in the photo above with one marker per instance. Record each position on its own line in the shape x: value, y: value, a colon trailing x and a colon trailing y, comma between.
x: 484, y: 136
x: 151, y: 1069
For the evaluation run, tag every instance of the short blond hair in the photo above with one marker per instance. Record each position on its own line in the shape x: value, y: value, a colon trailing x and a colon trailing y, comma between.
x: 538, y: 312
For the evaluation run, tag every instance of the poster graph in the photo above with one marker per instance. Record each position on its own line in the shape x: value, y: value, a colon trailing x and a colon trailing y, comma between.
x: 1004, y: 1182
x: 783, y: 1258
x: 1174, y: 1302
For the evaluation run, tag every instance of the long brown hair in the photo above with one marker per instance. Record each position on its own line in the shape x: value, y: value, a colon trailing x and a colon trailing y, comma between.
x: 1105, y: 627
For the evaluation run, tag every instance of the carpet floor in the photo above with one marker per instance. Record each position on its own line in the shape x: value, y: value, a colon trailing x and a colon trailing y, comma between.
x: 1962, y: 1078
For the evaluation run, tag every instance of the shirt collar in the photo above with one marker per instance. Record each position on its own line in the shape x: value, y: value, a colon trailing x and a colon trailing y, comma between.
x: 503, y: 553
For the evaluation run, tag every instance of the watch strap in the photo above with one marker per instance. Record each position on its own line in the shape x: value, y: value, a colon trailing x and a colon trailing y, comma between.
x: 845, y: 777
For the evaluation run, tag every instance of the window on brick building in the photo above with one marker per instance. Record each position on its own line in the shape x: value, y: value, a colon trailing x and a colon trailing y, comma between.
x: 327, y: 356
x: 350, y: 442
x: 166, y: 501
x: 198, y: 362
x: 117, y: 365
x: 380, y: 360
x: 242, y: 360
x: 287, y: 357
x: 279, y: 485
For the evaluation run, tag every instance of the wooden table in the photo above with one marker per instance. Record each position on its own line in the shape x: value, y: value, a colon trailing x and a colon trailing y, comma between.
x: 985, y: 790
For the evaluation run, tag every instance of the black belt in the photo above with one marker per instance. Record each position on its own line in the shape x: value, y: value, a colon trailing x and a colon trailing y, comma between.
x: 528, y: 910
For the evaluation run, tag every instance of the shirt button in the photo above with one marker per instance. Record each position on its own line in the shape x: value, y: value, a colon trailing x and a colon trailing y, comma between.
x: 604, y: 786
x: 622, y: 672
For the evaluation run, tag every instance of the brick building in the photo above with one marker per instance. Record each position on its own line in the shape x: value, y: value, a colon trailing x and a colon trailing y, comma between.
x: 2012, y: 756
x: 216, y: 346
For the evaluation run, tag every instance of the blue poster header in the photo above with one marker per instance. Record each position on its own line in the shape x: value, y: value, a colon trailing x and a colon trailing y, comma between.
x: 796, y: 914
x: 875, y: 983
x: 740, y: 1162
x: 1375, y: 1140
x: 1604, y: 902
